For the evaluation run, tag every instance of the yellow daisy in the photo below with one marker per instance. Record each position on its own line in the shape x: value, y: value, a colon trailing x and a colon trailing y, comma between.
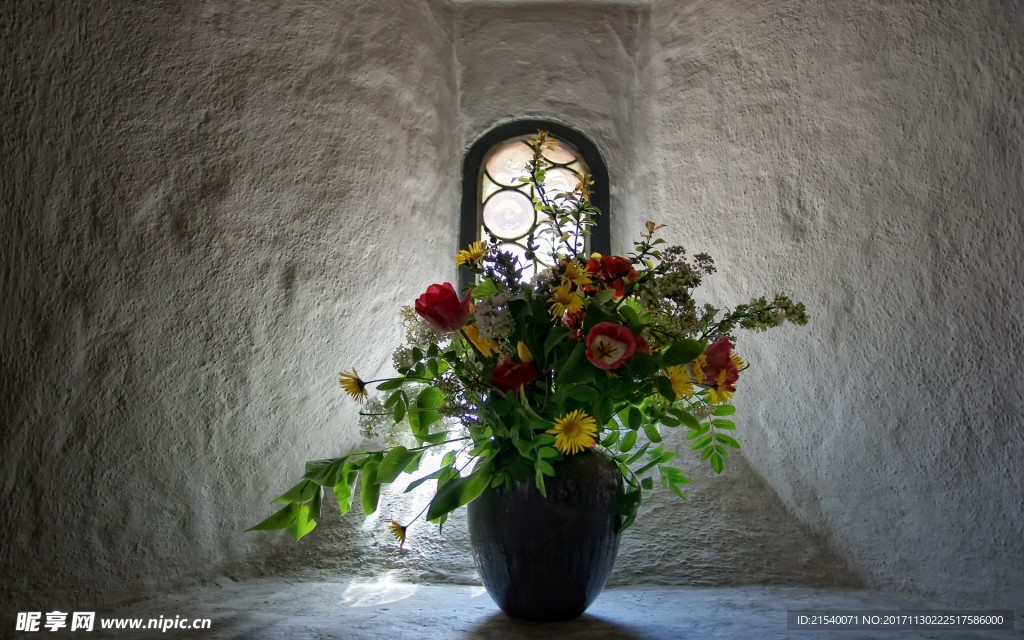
x: 353, y: 385
x: 680, y: 379
x: 574, y: 274
x: 472, y: 254
x: 564, y: 299
x: 737, y: 360
x: 398, y: 531
x: 574, y: 432
x: 697, y: 367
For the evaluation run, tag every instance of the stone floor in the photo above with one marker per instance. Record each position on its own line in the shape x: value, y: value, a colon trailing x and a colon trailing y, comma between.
x: 385, y: 607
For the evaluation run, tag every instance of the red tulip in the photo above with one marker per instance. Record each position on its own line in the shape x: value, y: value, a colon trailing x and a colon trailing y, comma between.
x: 442, y: 308
x: 509, y: 375
x: 609, y: 345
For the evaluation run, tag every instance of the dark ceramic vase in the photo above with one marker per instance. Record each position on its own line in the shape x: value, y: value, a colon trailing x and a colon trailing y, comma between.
x: 547, y: 559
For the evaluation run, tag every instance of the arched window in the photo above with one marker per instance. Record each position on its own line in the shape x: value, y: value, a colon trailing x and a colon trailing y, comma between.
x: 495, y: 202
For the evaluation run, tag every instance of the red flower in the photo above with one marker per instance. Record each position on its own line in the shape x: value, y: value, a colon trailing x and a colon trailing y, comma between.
x: 609, y: 345
x: 509, y: 375
x: 614, y: 271
x: 716, y: 360
x: 641, y: 344
x: 574, y: 323
x: 441, y: 307
x: 615, y: 267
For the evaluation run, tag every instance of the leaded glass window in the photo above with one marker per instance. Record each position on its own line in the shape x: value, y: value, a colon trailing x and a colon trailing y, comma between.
x: 506, y: 206
x: 497, y: 203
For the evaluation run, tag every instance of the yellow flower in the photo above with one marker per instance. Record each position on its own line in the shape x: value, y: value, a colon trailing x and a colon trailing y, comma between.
x: 737, y: 360
x: 398, y: 531
x: 680, y: 379
x: 353, y: 385
x: 524, y: 352
x: 472, y: 254
x: 574, y: 274
x: 564, y: 299
x: 486, y: 347
x: 720, y: 392
x: 574, y: 432
x: 697, y: 368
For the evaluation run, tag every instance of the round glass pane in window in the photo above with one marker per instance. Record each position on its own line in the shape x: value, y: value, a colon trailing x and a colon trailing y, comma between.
x: 560, y: 181
x: 518, y: 251
x: 508, y: 162
x: 509, y: 215
x: 561, y: 154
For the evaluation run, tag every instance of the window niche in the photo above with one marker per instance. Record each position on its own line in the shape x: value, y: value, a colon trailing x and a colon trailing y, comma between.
x: 494, y: 201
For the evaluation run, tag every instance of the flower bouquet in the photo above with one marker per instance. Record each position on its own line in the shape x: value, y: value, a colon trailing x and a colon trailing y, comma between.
x: 511, y: 376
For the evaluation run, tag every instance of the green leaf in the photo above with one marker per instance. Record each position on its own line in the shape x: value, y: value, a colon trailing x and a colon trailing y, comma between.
x: 726, y: 440
x: 304, y: 520
x: 610, y: 439
x: 582, y: 393
x: 701, y: 442
x: 302, y: 492
x: 369, y: 489
x: 419, y: 481
x: 629, y: 504
x: 642, y: 365
x: 724, y: 424
x: 628, y: 441
x: 685, y: 417
x: 566, y: 369
x: 343, y: 491
x: 279, y: 520
x: 538, y: 479
x: 638, y: 454
x: 325, y: 472
x: 484, y: 289
x: 724, y: 410
x: 674, y: 488
x: 393, y: 464
x: 459, y: 491
x: 556, y: 335
x: 647, y: 483
x: 659, y: 458
x: 718, y: 456
x: 664, y: 386
x: 682, y: 352
x: 389, y: 385
x: 425, y: 413
x: 652, y: 433
x: 634, y: 417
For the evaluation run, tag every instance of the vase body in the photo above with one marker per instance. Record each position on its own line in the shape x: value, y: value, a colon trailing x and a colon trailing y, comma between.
x: 547, y: 559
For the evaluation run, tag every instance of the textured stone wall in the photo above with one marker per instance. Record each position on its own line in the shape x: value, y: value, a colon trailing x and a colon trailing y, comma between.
x: 213, y: 208
x: 867, y: 157
x: 210, y: 209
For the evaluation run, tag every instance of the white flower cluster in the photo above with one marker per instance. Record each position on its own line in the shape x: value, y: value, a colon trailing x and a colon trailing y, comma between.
x: 493, y: 317
x: 418, y: 332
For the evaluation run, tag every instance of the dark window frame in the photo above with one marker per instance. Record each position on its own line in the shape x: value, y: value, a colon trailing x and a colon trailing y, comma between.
x: 600, y: 236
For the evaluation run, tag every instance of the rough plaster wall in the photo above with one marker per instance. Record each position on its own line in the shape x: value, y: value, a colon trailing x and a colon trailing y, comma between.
x: 573, y: 62
x: 867, y: 157
x: 205, y: 205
